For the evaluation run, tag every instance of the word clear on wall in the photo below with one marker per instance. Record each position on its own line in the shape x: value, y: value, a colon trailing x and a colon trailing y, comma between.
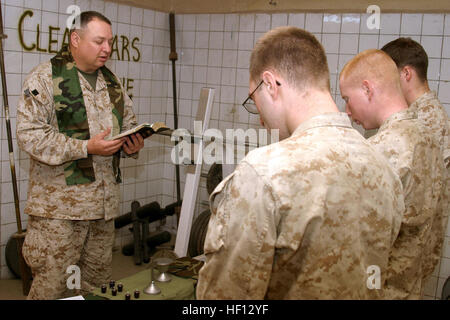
x: 128, y: 50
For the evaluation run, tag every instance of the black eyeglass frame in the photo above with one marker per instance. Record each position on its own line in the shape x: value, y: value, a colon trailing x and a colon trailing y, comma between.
x: 251, y: 94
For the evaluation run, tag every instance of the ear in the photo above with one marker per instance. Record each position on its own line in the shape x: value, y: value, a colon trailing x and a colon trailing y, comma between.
x: 406, y: 73
x: 74, y: 39
x: 368, y: 89
x: 270, y: 81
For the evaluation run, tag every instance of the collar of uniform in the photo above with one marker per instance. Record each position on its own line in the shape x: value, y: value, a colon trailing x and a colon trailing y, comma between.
x: 332, y: 119
x: 427, y: 96
x: 405, y: 114
x: 101, y: 83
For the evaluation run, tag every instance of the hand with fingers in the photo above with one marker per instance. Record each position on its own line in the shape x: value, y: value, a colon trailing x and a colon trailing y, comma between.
x: 99, y: 146
x: 133, y: 143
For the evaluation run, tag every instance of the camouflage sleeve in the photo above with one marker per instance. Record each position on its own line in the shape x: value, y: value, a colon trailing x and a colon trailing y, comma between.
x: 241, y: 236
x: 433, y: 248
x: 129, y: 119
x: 37, y: 129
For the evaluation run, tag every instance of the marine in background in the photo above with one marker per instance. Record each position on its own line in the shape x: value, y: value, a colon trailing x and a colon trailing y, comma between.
x: 370, y: 86
x: 412, y: 64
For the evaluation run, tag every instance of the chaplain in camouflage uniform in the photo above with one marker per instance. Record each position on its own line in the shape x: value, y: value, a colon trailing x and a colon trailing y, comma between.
x: 370, y: 86
x: 412, y: 63
x: 313, y: 216
x: 68, y: 108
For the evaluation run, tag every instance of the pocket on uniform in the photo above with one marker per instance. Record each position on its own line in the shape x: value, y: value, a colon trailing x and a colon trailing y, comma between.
x: 34, y: 245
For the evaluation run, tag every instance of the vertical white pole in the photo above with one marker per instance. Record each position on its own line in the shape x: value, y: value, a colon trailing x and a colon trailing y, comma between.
x: 193, y: 179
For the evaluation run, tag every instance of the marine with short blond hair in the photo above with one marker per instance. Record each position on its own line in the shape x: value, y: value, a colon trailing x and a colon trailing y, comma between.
x: 370, y: 86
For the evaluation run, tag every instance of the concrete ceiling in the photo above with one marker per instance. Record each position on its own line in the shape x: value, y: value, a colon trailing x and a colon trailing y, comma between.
x: 242, y: 6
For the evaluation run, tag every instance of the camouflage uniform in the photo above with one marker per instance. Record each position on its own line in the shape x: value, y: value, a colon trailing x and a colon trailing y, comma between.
x: 52, y: 245
x: 303, y: 218
x: 48, y: 194
x: 433, y: 114
x: 415, y: 155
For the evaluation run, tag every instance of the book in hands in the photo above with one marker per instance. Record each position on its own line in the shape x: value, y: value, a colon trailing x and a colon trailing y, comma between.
x: 144, y: 129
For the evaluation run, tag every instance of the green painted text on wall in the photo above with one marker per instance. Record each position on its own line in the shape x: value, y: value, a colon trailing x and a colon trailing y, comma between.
x: 128, y: 51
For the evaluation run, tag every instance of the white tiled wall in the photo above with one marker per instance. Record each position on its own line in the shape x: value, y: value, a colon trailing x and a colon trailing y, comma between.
x: 218, y: 56
x: 213, y: 51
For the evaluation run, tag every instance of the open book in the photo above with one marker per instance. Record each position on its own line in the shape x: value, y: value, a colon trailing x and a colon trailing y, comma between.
x: 145, y: 129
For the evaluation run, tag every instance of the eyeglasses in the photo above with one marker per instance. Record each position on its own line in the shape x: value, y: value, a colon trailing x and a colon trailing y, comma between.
x: 249, y: 104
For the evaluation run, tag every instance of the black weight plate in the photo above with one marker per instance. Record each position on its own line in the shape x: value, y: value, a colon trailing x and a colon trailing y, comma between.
x: 195, y: 233
x: 12, y: 260
x: 214, y: 177
x: 198, y: 234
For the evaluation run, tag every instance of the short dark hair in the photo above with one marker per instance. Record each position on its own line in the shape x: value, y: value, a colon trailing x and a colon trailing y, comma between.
x: 87, y: 16
x: 295, y: 53
x: 407, y: 52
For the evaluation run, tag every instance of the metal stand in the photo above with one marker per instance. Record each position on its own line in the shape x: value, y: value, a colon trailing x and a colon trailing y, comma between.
x: 193, y: 179
x: 163, y: 266
x: 173, y: 56
x: 140, y: 235
x: 152, y: 288
x: 141, y: 217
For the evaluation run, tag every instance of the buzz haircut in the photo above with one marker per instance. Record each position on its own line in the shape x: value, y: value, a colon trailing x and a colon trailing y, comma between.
x: 295, y: 54
x: 407, y: 52
x: 87, y: 16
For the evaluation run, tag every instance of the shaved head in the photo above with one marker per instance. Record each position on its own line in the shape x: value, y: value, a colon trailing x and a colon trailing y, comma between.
x: 370, y: 87
x: 375, y: 66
